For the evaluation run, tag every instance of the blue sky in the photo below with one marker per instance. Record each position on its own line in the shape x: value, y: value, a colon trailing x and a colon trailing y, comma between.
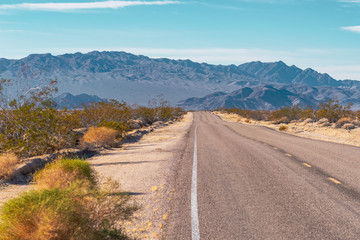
x: 321, y: 34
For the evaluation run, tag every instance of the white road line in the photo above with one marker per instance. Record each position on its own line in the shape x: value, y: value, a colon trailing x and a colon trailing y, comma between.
x: 194, y: 203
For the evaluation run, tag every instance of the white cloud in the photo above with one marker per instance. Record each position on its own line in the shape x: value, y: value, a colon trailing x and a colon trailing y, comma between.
x: 352, y: 28
x: 82, y: 6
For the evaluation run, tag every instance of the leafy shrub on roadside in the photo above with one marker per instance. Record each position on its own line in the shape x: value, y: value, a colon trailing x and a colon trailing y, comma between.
x: 100, y: 136
x: 31, y: 125
x: 332, y: 110
x: 30, y: 130
x: 106, y: 112
x: 62, y: 172
x: 8, y: 162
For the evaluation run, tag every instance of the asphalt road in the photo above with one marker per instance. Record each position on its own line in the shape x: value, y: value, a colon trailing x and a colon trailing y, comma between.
x: 257, y: 183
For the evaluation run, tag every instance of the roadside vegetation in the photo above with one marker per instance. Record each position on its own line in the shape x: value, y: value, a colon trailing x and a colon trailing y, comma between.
x: 329, y: 113
x: 68, y: 202
x: 31, y: 124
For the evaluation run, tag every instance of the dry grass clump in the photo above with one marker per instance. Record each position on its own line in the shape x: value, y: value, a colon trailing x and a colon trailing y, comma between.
x: 100, y: 137
x: 71, y: 213
x: 78, y: 209
x: 8, y: 162
x: 283, y: 128
x: 342, y: 121
x: 63, y: 172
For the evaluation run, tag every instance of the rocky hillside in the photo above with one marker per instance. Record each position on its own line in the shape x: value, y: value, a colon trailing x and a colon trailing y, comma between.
x: 271, y: 97
x: 136, y: 79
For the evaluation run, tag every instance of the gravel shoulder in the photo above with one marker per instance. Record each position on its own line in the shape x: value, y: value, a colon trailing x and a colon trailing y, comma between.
x: 144, y: 170
x: 309, y: 130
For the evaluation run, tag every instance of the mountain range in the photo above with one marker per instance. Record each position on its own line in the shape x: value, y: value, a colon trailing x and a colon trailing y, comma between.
x: 271, y: 97
x: 73, y: 102
x: 137, y: 79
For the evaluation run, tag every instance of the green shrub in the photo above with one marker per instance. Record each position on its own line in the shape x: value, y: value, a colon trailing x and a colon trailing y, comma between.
x: 67, y: 208
x: 332, y: 110
x: 106, y: 112
x: 71, y: 213
x: 31, y: 125
x: 30, y: 130
x: 121, y: 127
x: 62, y: 172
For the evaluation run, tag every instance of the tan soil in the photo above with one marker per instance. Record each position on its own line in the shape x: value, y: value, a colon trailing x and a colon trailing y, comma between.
x: 142, y: 168
x: 310, y: 130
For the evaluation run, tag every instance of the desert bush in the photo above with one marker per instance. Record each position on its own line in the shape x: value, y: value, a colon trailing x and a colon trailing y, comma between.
x: 70, y: 213
x: 282, y: 120
x: 342, y: 121
x: 100, y: 136
x: 332, y: 110
x: 31, y: 125
x: 120, y: 127
x: 8, y: 162
x: 29, y: 130
x: 283, y: 128
x: 68, y: 204
x: 63, y: 172
x: 106, y: 112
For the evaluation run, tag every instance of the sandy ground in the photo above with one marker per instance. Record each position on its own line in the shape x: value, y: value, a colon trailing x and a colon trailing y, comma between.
x: 9, y: 191
x: 309, y: 130
x: 143, y: 169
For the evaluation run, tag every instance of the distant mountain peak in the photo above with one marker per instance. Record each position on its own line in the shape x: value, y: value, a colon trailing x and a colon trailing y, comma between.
x: 137, y: 78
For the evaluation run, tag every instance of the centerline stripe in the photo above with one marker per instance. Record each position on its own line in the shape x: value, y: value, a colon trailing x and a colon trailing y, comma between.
x: 194, y: 204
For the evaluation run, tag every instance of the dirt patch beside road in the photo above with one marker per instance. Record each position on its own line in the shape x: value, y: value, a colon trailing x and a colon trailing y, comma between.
x: 143, y: 169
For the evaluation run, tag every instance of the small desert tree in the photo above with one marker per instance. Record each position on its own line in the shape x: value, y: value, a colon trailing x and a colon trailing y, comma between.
x: 30, y: 124
x: 332, y: 110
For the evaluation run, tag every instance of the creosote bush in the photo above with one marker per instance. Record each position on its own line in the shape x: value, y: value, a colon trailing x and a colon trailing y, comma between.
x: 8, y: 162
x: 31, y: 124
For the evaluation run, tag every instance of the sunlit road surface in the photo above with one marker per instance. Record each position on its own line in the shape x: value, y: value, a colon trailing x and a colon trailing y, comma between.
x: 256, y: 183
